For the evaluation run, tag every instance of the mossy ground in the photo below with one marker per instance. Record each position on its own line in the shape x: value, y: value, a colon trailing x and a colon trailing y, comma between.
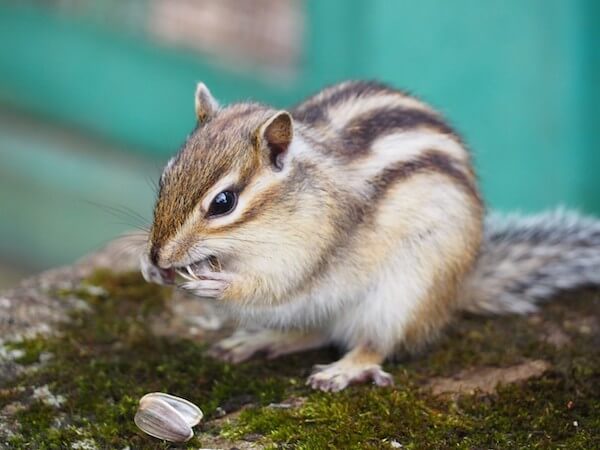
x: 105, y: 359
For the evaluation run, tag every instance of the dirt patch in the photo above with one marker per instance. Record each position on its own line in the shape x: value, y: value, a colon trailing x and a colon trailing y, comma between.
x: 485, y: 380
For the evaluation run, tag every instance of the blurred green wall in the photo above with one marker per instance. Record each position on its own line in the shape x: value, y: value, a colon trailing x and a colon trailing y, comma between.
x: 519, y: 79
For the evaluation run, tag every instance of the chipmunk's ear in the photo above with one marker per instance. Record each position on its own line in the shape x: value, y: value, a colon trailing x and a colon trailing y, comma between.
x: 205, y: 103
x: 277, y: 133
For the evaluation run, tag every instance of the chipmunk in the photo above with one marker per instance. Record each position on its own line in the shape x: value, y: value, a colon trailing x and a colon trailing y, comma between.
x: 352, y: 219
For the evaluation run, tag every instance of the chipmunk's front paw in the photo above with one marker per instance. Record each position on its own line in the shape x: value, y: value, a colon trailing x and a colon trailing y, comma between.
x: 208, y: 284
x: 339, y: 375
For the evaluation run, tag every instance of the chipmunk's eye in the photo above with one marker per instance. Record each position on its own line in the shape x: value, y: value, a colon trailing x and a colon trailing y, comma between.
x: 223, y: 203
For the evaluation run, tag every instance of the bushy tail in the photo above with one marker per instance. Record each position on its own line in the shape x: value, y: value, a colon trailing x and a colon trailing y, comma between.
x: 528, y: 259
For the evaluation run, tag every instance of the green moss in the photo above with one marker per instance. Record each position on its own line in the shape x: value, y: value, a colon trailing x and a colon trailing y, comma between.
x: 531, y: 416
x: 105, y: 359
x: 32, y: 349
x: 559, y: 410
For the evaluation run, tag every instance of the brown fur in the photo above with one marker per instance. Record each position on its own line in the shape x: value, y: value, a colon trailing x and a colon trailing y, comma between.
x: 313, y: 110
x: 370, y: 241
x: 437, y: 309
x: 327, y: 224
x: 364, y: 355
x: 429, y: 161
x: 334, y: 227
x: 225, y: 143
x: 360, y: 133
x: 256, y: 207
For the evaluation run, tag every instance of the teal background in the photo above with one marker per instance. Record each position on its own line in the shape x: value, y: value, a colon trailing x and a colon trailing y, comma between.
x: 88, y: 113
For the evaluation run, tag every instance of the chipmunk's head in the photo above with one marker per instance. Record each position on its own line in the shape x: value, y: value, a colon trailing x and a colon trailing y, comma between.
x: 223, y: 195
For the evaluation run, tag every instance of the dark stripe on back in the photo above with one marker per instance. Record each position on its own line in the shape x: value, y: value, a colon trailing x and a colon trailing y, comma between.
x: 433, y: 161
x: 360, y: 133
x: 358, y: 213
x: 313, y: 111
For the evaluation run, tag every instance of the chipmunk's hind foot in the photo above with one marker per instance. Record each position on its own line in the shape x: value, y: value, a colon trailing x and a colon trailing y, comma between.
x: 244, y: 344
x: 358, y: 366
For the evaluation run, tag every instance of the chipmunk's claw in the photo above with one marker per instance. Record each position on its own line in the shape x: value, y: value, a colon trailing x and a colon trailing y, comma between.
x: 205, y: 288
x: 208, y: 284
